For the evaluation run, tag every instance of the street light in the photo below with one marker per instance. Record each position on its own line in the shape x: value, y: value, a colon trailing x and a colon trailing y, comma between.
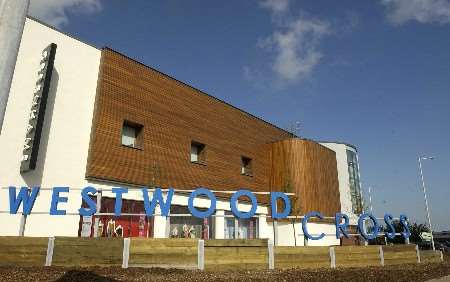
x: 370, y: 200
x: 425, y: 196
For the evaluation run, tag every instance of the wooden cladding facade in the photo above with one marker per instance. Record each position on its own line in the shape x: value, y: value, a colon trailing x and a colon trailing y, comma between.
x: 309, y: 170
x: 173, y: 115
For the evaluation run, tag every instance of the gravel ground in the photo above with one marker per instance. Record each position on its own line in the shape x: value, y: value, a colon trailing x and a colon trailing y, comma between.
x: 413, y: 272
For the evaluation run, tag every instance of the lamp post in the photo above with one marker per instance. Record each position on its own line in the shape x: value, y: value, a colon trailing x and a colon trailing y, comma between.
x: 370, y: 200
x: 425, y: 197
x: 12, y: 21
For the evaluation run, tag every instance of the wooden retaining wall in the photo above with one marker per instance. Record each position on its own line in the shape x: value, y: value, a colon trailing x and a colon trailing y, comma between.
x: 357, y: 256
x: 400, y: 254
x: 70, y: 251
x: 176, y: 253
x: 23, y: 251
x: 211, y: 255
x: 236, y: 254
x: 427, y: 256
x: 301, y: 257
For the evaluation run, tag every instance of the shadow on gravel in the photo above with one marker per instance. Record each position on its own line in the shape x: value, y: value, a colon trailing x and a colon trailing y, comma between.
x: 76, y: 275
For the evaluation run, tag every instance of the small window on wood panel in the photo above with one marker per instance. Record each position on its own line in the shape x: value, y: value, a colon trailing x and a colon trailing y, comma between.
x: 246, y: 166
x: 198, y: 152
x: 132, y: 134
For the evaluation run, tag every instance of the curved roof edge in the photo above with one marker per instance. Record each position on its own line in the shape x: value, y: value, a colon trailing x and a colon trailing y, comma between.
x: 319, y: 142
x: 337, y: 142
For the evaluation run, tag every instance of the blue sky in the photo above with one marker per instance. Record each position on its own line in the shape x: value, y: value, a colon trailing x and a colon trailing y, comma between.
x: 372, y: 73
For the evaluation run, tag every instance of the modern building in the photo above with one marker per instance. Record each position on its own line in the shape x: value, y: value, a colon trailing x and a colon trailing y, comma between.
x: 110, y: 121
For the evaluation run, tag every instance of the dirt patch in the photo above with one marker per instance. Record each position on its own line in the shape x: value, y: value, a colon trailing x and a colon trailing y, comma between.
x: 412, y: 272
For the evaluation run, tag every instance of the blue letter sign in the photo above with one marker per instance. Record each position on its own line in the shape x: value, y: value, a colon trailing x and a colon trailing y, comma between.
x: 274, y: 196
x: 202, y: 214
x: 28, y: 200
x: 341, y: 227
x: 157, y: 198
x: 92, y: 206
x: 362, y: 229
x: 234, y: 200
x: 57, y: 199
x: 305, y: 227
x: 118, y: 204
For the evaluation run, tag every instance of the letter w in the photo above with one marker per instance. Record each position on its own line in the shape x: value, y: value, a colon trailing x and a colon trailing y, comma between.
x: 27, y: 199
x: 157, y: 198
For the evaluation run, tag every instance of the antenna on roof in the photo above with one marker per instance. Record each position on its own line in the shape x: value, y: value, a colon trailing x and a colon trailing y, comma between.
x: 294, y: 129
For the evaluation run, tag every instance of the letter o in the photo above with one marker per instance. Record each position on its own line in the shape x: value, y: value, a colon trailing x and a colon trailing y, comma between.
x: 234, y: 200
x: 202, y: 214
x: 362, y: 231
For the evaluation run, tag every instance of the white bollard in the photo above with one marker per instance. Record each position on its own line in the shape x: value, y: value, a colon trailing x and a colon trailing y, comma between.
x: 50, y: 247
x: 381, y: 255
x: 332, y: 257
x: 271, y: 254
x: 201, y: 255
x: 126, y: 252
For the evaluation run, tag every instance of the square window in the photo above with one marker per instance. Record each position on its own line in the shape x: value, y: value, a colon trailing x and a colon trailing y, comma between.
x: 198, y: 152
x: 246, y: 166
x: 132, y: 134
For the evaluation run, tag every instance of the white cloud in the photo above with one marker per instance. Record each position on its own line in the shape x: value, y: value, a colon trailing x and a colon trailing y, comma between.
x: 422, y: 11
x: 293, y: 46
x: 296, y: 48
x: 276, y: 6
x: 54, y: 12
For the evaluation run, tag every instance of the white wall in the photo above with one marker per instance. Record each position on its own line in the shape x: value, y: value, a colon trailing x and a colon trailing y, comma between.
x: 65, y: 136
x: 329, y: 230
x: 343, y: 178
x: 286, y: 234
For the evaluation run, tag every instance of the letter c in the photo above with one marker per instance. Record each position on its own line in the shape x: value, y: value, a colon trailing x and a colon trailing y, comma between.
x: 305, y: 222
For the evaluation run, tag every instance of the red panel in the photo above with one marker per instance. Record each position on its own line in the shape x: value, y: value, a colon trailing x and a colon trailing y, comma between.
x: 123, y: 226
